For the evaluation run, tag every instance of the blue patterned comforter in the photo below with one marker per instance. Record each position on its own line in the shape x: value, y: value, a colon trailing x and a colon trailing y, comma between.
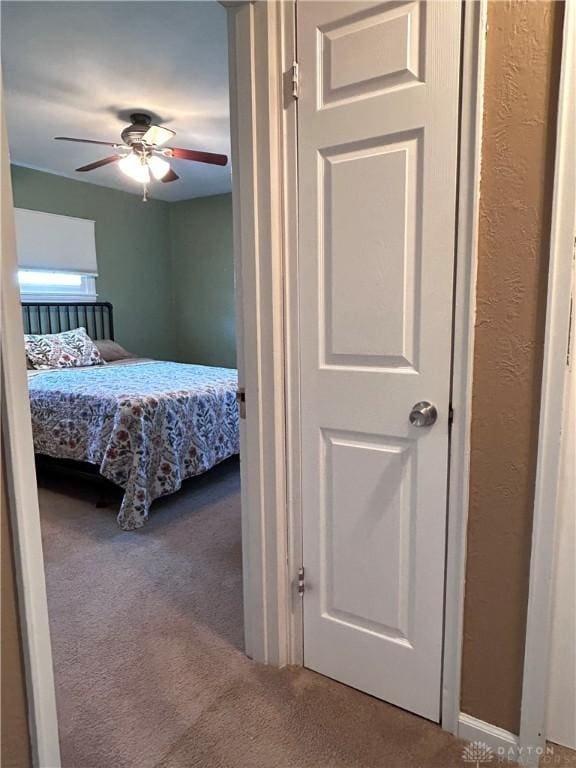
x: 147, y: 425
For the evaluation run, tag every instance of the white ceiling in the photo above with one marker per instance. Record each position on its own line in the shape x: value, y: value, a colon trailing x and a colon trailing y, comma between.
x: 80, y: 68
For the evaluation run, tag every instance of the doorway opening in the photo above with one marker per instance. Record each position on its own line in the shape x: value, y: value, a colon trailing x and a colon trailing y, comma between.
x: 122, y: 186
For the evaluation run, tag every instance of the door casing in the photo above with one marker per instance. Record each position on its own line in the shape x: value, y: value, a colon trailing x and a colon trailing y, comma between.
x: 20, y: 476
x: 559, y: 309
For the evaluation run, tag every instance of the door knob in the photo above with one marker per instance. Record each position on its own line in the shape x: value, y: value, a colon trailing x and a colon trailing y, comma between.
x: 423, y: 414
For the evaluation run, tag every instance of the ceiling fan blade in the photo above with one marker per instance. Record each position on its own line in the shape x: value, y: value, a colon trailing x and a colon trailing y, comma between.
x: 99, y: 163
x: 157, y: 135
x: 170, y: 176
x: 88, y: 141
x: 199, y: 157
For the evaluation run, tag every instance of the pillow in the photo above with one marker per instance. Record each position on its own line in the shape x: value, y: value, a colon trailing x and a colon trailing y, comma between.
x: 69, y: 349
x: 111, y: 351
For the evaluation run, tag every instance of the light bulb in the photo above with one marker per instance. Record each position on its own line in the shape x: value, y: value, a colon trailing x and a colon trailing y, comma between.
x: 132, y: 166
x: 158, y: 167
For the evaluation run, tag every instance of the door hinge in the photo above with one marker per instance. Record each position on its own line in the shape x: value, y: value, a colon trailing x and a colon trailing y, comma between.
x: 450, y: 415
x: 295, y: 80
x: 241, y: 400
x: 301, y: 581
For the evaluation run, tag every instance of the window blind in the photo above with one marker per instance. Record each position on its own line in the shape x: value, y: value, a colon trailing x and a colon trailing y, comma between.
x: 57, y: 243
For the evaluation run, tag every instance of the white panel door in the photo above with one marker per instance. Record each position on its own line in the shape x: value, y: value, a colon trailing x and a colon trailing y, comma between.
x: 377, y: 124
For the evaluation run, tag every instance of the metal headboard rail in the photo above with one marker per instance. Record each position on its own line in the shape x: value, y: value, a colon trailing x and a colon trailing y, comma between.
x: 54, y: 317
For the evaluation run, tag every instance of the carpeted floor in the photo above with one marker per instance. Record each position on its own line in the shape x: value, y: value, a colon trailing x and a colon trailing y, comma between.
x: 147, y: 642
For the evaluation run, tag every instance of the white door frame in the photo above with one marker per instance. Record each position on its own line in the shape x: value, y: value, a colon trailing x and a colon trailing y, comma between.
x: 18, y: 453
x: 471, y: 122
x: 562, y: 252
x: 261, y: 50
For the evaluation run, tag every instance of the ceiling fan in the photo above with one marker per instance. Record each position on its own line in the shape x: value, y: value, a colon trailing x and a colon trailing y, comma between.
x: 141, y: 154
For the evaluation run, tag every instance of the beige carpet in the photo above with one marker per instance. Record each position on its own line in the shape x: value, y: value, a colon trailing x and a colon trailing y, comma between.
x: 147, y: 641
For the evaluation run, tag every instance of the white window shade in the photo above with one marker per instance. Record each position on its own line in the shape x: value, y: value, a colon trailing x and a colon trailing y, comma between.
x: 55, y: 243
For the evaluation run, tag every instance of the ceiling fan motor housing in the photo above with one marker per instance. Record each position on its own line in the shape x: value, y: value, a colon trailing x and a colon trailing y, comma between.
x: 133, y: 133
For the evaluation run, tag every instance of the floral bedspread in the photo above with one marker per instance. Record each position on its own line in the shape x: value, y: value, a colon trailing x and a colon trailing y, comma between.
x: 147, y: 425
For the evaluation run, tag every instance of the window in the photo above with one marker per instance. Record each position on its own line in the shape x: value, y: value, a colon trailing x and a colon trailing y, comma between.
x: 56, y: 256
x: 44, y: 285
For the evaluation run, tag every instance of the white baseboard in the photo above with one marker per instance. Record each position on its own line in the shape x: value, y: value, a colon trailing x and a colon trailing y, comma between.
x: 502, y: 743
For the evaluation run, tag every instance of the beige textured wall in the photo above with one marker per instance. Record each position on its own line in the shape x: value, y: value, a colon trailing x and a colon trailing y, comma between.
x: 15, y: 751
x: 522, y: 69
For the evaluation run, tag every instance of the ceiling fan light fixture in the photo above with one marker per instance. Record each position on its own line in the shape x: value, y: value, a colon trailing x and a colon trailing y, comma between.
x: 132, y: 166
x: 158, y: 167
x: 142, y: 155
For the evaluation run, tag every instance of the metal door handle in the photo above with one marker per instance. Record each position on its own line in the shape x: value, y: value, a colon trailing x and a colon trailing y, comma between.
x: 423, y: 414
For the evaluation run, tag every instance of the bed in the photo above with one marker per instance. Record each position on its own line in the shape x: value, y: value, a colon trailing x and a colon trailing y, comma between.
x: 147, y: 425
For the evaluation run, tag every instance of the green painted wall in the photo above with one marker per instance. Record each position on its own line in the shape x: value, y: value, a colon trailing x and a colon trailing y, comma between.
x: 167, y: 268
x: 203, y: 268
x: 133, y: 249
